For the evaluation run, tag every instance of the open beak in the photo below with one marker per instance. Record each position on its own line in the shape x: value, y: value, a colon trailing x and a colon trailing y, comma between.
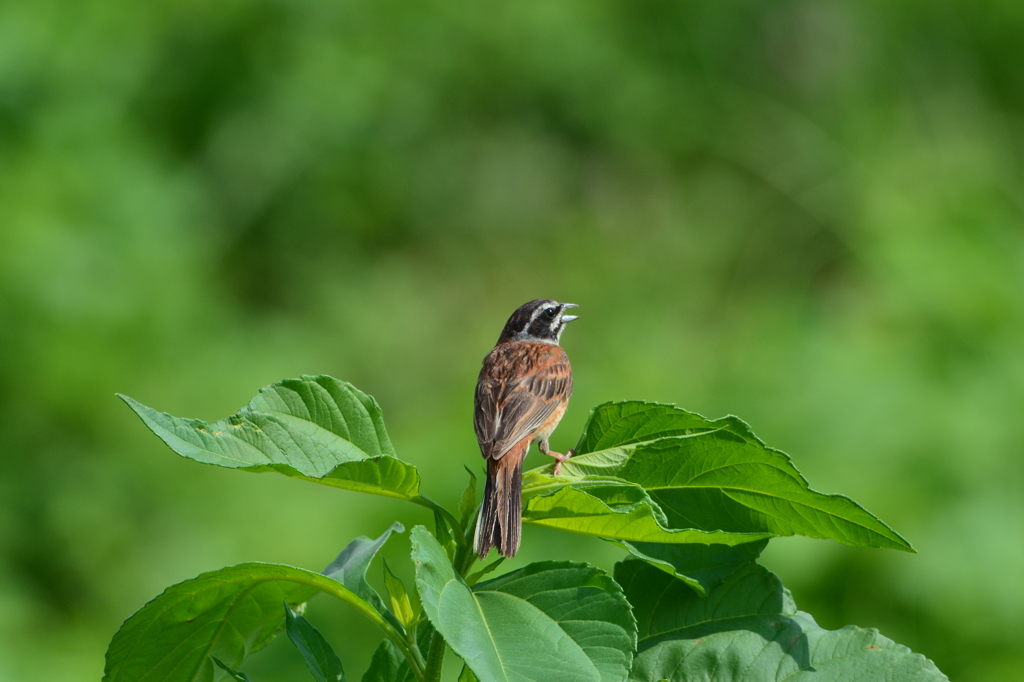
x: 569, y: 318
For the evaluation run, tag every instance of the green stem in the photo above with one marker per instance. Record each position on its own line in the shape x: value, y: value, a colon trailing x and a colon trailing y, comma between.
x: 435, y: 658
x: 425, y: 501
x: 464, y: 554
x: 416, y: 650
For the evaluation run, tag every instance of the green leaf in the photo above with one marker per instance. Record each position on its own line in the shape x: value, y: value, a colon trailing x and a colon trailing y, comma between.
x: 610, y: 508
x: 316, y: 428
x: 585, y: 602
x: 233, y: 674
x: 614, y: 425
x: 698, y: 474
x: 443, y: 534
x: 550, y: 621
x: 748, y: 630
x: 717, y: 480
x: 467, y: 505
x: 467, y: 675
x: 350, y: 566
x: 474, y: 578
x: 318, y: 654
x: 390, y: 665
x: 227, y: 613
x: 400, y: 604
x: 699, y: 566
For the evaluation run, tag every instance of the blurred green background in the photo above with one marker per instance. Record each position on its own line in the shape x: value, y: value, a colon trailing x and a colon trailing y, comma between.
x: 809, y: 214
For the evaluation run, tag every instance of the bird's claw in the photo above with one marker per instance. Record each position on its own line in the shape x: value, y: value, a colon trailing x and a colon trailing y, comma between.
x: 559, y: 458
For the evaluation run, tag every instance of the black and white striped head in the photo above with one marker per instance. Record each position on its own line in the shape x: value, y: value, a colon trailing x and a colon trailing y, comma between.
x: 541, y: 320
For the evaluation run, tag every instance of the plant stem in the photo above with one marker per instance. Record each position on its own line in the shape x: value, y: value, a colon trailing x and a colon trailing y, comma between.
x: 425, y: 501
x: 465, y: 557
x: 420, y: 663
x: 435, y: 658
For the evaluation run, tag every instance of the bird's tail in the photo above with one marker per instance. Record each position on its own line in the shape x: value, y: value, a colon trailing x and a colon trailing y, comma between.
x: 500, y: 523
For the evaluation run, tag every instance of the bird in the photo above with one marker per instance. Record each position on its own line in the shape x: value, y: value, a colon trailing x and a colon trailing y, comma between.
x: 521, y: 395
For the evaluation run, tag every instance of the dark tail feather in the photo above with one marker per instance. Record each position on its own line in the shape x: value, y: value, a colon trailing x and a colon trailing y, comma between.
x: 500, y: 523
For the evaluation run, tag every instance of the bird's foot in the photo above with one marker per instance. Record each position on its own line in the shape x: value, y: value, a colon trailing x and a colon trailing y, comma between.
x: 559, y: 458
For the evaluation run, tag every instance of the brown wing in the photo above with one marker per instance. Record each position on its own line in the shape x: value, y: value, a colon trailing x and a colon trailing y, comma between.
x: 520, y: 386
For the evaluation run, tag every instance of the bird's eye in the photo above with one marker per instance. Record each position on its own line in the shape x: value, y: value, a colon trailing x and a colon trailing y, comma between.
x: 549, y: 312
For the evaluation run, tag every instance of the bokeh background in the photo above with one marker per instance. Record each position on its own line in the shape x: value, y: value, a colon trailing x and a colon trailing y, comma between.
x: 808, y: 214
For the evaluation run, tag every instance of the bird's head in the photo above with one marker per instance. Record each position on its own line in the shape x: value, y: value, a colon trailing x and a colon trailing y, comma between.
x: 541, y: 320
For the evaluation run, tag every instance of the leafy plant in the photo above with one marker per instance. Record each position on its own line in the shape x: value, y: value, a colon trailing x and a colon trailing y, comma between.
x: 692, y: 501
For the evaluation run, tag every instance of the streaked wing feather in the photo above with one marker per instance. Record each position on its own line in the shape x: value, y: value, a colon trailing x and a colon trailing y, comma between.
x: 509, y: 411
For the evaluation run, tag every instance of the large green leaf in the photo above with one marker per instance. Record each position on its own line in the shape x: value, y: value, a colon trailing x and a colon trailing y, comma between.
x: 700, y: 474
x: 748, y: 630
x: 549, y: 622
x: 316, y: 428
x: 610, y: 508
x: 227, y: 613
x: 717, y: 480
x: 628, y: 422
x: 700, y: 566
x: 585, y: 602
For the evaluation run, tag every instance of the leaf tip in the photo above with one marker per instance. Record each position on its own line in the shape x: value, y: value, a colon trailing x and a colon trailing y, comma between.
x: 291, y: 612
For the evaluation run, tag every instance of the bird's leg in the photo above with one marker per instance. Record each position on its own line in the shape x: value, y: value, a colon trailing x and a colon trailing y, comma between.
x: 559, y: 457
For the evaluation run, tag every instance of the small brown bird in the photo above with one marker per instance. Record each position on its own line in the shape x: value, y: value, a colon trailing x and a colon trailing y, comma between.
x: 521, y: 395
